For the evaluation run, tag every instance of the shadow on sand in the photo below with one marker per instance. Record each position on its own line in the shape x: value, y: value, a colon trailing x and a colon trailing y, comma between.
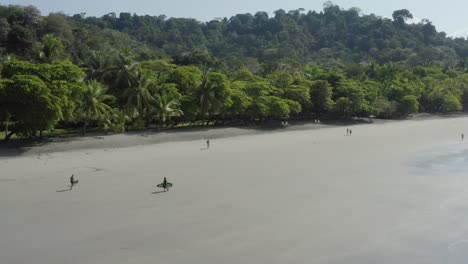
x: 158, y: 192
x: 64, y: 190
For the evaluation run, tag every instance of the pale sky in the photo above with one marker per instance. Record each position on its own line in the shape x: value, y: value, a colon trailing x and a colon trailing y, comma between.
x: 449, y: 15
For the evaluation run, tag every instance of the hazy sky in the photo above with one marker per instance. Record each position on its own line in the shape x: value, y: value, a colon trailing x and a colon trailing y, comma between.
x: 449, y: 15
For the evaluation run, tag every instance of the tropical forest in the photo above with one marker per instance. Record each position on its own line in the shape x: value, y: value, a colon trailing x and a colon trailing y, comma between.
x: 61, y: 72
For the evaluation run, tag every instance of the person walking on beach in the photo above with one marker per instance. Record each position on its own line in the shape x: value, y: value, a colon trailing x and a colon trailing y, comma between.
x: 165, y: 184
x: 347, y: 131
x: 72, y: 181
x: 350, y: 132
x: 463, y: 136
x: 208, y: 144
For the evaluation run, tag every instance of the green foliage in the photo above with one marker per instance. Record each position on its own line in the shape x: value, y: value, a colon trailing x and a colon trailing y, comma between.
x: 212, y: 95
x: 167, y: 105
x: 252, y: 67
x: 138, y: 97
x: 408, y: 104
x: 299, y: 94
x: 343, y: 106
x: 52, y: 49
x: 450, y: 103
x: 385, y: 108
x: 32, y: 104
x: 332, y: 37
x: 187, y: 78
x: 321, y: 93
x: 240, y: 102
x: 356, y: 102
x: 400, y: 16
x: 277, y: 108
x: 94, y: 108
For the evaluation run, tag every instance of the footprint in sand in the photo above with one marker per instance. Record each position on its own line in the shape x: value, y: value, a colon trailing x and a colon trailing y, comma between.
x: 82, y: 170
x: 7, y: 180
x: 96, y: 169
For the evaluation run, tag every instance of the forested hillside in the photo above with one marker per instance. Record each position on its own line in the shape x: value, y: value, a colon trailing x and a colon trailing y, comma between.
x: 121, y: 71
x: 328, y: 37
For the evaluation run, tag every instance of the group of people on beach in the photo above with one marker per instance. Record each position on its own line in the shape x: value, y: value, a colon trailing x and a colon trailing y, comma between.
x: 165, y: 185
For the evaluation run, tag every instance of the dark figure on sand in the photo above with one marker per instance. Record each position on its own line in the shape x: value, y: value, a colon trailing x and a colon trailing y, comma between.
x: 164, y: 185
x: 463, y: 136
x: 208, y: 144
x: 350, y: 132
x: 72, y: 181
x: 347, y: 131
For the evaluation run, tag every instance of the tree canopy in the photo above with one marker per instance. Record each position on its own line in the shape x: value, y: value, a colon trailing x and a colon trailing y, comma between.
x: 128, y: 71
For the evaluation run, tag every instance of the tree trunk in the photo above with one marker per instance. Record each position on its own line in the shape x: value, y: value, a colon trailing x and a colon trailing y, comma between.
x: 147, y: 121
x: 7, y: 137
x: 40, y: 133
x: 84, y: 128
x: 7, y: 122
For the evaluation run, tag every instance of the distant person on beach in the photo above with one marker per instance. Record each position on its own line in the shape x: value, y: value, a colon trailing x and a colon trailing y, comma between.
x: 463, y: 136
x: 347, y: 131
x: 350, y: 132
x: 72, y: 181
x: 165, y: 184
x: 207, y: 145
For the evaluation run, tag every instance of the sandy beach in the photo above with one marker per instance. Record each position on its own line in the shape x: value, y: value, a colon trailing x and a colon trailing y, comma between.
x: 391, y: 193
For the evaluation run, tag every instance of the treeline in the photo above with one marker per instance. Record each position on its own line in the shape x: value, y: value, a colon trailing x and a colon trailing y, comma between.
x: 114, y: 91
x: 60, y: 71
x: 330, y: 37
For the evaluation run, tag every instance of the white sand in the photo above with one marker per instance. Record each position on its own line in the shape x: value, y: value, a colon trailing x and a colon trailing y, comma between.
x: 313, y: 196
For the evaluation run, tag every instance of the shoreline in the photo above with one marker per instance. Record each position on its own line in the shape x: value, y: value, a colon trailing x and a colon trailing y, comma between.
x: 68, y: 143
x: 248, y: 196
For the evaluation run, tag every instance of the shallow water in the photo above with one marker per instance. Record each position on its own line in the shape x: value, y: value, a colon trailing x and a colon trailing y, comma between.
x: 451, y: 159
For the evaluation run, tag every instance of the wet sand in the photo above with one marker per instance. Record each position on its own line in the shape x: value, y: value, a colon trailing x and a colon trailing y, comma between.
x: 390, y: 193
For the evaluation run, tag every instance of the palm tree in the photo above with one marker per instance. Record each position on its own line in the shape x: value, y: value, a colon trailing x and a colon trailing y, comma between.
x: 52, y: 49
x: 97, y: 65
x: 209, y: 96
x: 125, y: 72
x: 166, y: 106
x: 93, y: 107
x: 139, y: 98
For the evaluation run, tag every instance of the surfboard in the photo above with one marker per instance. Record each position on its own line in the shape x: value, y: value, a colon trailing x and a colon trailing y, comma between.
x: 168, y: 185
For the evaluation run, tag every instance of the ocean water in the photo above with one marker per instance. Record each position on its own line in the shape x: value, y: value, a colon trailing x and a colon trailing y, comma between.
x: 452, y: 159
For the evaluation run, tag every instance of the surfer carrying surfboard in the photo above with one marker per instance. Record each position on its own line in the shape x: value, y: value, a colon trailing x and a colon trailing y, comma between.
x: 165, y: 184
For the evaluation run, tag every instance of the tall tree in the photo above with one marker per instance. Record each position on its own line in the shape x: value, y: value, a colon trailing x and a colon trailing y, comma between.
x: 93, y: 106
x: 139, y: 100
x: 32, y: 105
x: 52, y: 49
x: 321, y: 93
x: 401, y: 16
x: 166, y: 106
x: 211, y: 94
